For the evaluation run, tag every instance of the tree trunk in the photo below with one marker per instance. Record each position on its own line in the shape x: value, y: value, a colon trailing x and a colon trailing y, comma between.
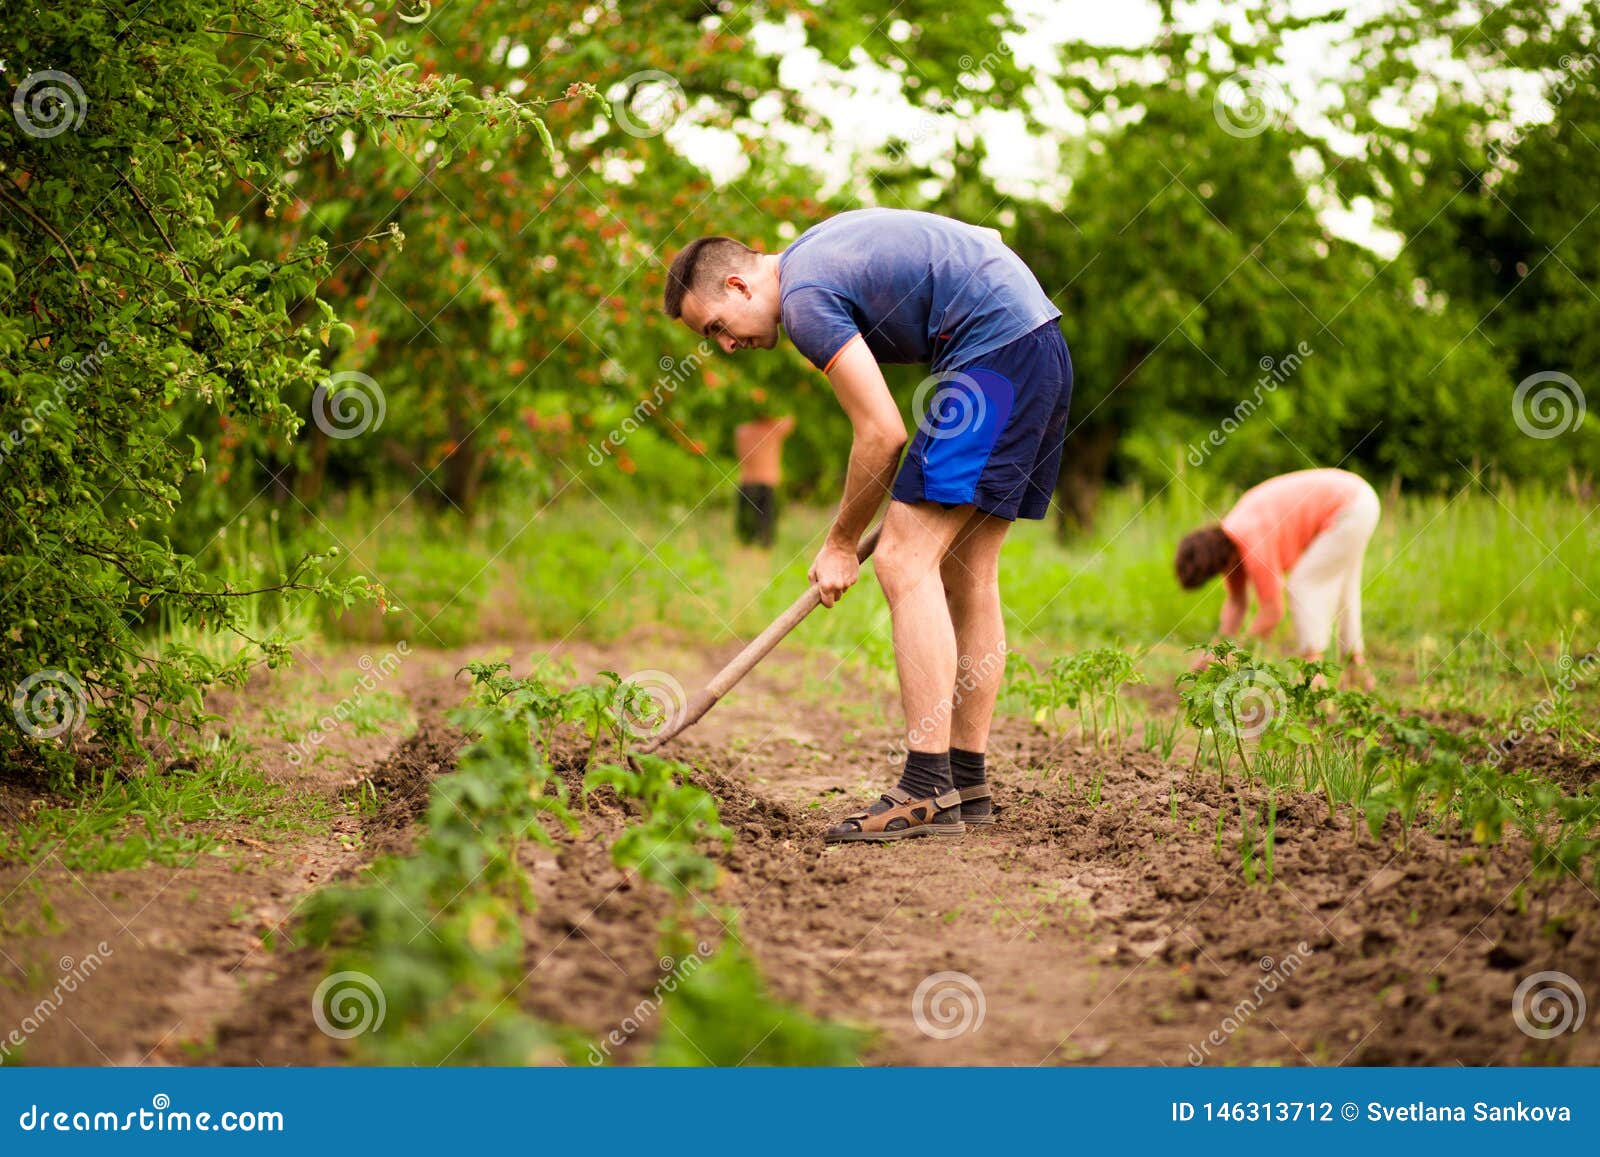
x: 1087, y: 461
x: 463, y: 466
x: 1084, y: 468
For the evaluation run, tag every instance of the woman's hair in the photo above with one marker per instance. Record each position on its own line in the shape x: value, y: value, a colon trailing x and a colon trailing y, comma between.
x: 1205, y: 553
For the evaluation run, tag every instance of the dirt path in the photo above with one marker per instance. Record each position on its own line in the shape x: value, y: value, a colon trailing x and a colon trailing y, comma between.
x: 146, y: 966
x: 1098, y: 922
x: 1113, y: 931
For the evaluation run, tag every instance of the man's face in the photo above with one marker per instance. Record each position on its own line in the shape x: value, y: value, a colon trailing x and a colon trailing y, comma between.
x: 733, y: 316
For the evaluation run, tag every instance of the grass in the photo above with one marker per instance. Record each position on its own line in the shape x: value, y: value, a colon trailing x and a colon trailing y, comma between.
x: 1455, y: 584
x: 371, y: 713
x: 1474, y: 601
x: 166, y: 817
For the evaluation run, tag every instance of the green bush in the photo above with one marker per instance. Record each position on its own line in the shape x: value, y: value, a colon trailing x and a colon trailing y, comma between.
x: 148, y: 296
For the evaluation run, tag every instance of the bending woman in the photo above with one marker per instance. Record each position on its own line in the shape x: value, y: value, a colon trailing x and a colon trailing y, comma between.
x: 1307, y: 531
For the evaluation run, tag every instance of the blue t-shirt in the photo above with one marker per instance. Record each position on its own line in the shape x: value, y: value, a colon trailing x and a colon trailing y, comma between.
x: 918, y: 287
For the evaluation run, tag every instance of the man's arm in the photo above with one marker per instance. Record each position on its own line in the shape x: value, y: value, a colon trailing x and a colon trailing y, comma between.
x: 878, y: 436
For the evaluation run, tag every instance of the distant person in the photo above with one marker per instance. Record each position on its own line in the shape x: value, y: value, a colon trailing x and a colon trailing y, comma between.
x: 759, y: 444
x: 1306, y: 532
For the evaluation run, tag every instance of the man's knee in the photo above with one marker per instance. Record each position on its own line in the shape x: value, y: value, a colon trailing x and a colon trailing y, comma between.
x: 965, y: 577
x: 900, y: 567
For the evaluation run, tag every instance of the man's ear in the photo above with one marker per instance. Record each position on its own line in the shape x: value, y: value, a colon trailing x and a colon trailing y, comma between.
x: 739, y: 285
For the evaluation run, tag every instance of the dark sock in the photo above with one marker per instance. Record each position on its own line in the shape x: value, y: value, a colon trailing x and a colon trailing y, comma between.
x: 927, y: 773
x: 966, y: 767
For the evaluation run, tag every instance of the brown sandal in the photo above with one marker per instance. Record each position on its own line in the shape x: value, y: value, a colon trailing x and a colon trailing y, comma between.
x: 977, y: 795
x: 897, y: 816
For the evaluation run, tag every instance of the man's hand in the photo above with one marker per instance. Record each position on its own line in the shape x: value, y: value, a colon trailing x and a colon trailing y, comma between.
x: 1201, y: 661
x: 834, y: 571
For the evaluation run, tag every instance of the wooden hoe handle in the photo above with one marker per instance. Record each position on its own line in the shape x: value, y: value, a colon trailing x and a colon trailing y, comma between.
x: 754, y: 651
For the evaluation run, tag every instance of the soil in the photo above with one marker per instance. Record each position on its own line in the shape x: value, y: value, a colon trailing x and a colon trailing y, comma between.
x: 1542, y: 755
x: 1102, y: 920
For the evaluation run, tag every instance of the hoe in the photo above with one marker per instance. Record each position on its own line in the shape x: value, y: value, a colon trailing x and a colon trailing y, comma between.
x: 745, y: 661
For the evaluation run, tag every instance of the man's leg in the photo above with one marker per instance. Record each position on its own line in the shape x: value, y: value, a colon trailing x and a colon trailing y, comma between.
x: 971, y: 575
x: 745, y: 513
x: 914, y: 544
x: 769, y: 517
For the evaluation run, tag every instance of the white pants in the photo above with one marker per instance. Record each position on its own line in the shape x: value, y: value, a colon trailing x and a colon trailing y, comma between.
x: 1325, y: 585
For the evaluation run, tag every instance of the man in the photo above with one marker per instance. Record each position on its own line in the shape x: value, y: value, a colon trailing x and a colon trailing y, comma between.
x: 759, y: 444
x: 893, y: 286
x: 1306, y: 532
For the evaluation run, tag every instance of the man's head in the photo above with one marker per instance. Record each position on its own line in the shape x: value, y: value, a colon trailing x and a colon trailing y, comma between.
x: 1204, y: 554
x: 725, y: 291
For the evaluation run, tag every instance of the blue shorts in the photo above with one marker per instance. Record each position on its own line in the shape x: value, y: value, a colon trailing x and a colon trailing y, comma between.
x: 992, y: 430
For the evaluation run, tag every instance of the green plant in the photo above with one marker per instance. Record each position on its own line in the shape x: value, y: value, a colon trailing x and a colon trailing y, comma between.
x: 1258, y: 839
x: 1161, y: 734
x: 155, y: 319
x: 438, y: 931
x: 723, y: 1015
x: 1089, y: 682
x: 1557, y: 711
x: 677, y: 817
x: 159, y: 814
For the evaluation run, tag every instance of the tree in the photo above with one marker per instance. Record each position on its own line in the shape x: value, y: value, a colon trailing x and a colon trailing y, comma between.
x: 138, y: 299
x: 1203, y: 293
x: 523, y: 326
x: 1497, y: 207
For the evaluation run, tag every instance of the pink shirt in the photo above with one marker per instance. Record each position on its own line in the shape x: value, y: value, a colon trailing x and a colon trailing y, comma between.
x: 1273, y: 523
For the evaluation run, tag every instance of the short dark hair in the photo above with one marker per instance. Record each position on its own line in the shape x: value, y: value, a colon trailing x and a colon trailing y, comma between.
x: 701, y: 265
x: 1205, y: 553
